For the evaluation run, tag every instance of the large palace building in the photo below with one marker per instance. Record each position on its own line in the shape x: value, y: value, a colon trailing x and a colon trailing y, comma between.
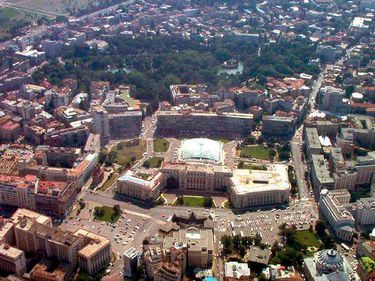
x: 200, y: 169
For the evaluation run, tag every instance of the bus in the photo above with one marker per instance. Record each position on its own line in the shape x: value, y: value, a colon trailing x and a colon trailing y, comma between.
x: 346, y: 248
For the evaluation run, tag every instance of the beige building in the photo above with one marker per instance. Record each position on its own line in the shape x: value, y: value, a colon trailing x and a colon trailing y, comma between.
x: 32, y: 237
x: 255, y: 187
x: 333, y: 205
x: 144, y: 189
x: 96, y: 254
x: 12, y: 260
x: 320, y: 176
x: 203, y: 123
x: 152, y: 258
x: 199, y: 244
x: 34, y: 233
x: 199, y: 167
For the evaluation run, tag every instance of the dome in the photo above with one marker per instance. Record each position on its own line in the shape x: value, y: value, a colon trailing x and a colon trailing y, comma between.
x: 201, y: 149
x: 329, y: 261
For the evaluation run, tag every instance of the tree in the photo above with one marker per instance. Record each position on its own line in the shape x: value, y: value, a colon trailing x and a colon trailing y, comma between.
x: 146, y: 164
x: 320, y: 228
x: 117, y: 209
x: 257, y: 239
x: 180, y: 200
x: 102, y: 156
x: 236, y: 241
x: 99, y: 212
x: 207, y: 203
x: 242, y: 251
x: 349, y: 91
x: 272, y: 154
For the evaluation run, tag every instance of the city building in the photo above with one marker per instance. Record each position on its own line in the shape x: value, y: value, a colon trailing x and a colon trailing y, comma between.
x: 175, y: 123
x: 320, y: 176
x: 12, y: 260
x: 199, y: 244
x: 236, y: 271
x: 152, y: 259
x: 130, y: 261
x: 252, y: 188
x: 328, y: 265
x: 131, y: 185
x: 96, y: 253
x: 189, y: 94
x: 334, y: 207
x: 100, y: 123
x: 277, y: 125
x: 313, y: 145
x: 50, y: 197
x: 364, y: 211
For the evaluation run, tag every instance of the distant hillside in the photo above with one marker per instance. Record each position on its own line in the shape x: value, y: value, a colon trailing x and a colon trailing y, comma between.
x: 63, y: 7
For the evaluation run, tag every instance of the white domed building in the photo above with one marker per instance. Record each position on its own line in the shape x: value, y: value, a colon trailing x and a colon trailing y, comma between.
x: 199, y: 167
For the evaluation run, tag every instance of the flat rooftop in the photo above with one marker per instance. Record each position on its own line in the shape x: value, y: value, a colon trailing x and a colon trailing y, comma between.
x: 97, y: 243
x: 10, y: 252
x: 249, y: 181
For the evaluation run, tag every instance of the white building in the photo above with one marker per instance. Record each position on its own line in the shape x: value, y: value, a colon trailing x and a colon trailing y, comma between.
x: 364, y: 211
x: 257, y: 187
x: 236, y: 270
x: 131, y: 185
x: 333, y: 205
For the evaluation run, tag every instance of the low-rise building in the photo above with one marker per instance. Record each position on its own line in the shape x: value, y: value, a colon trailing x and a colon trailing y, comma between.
x: 236, y: 271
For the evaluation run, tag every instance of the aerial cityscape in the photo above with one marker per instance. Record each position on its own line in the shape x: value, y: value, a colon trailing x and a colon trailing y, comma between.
x: 185, y: 140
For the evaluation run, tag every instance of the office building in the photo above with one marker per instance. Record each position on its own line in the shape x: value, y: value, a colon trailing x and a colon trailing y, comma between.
x: 130, y: 261
x: 320, y: 176
x: 252, y: 188
x: 334, y: 206
x: 131, y: 185
x: 236, y: 271
x: 313, y: 145
x: 277, y: 125
x: 199, y: 244
x: 188, y: 123
x: 12, y: 260
x: 96, y: 253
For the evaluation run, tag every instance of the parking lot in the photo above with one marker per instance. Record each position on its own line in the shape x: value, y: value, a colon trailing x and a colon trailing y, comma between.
x: 267, y: 223
x: 128, y: 231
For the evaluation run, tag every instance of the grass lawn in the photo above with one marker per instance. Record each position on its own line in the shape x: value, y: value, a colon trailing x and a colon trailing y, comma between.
x: 254, y: 167
x: 307, y: 238
x: 161, y: 145
x: 125, y: 152
x: 223, y: 140
x: 126, y: 96
x: 368, y: 264
x: 255, y: 151
x: 193, y: 201
x: 107, y: 215
x: 153, y: 162
x: 108, y: 183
